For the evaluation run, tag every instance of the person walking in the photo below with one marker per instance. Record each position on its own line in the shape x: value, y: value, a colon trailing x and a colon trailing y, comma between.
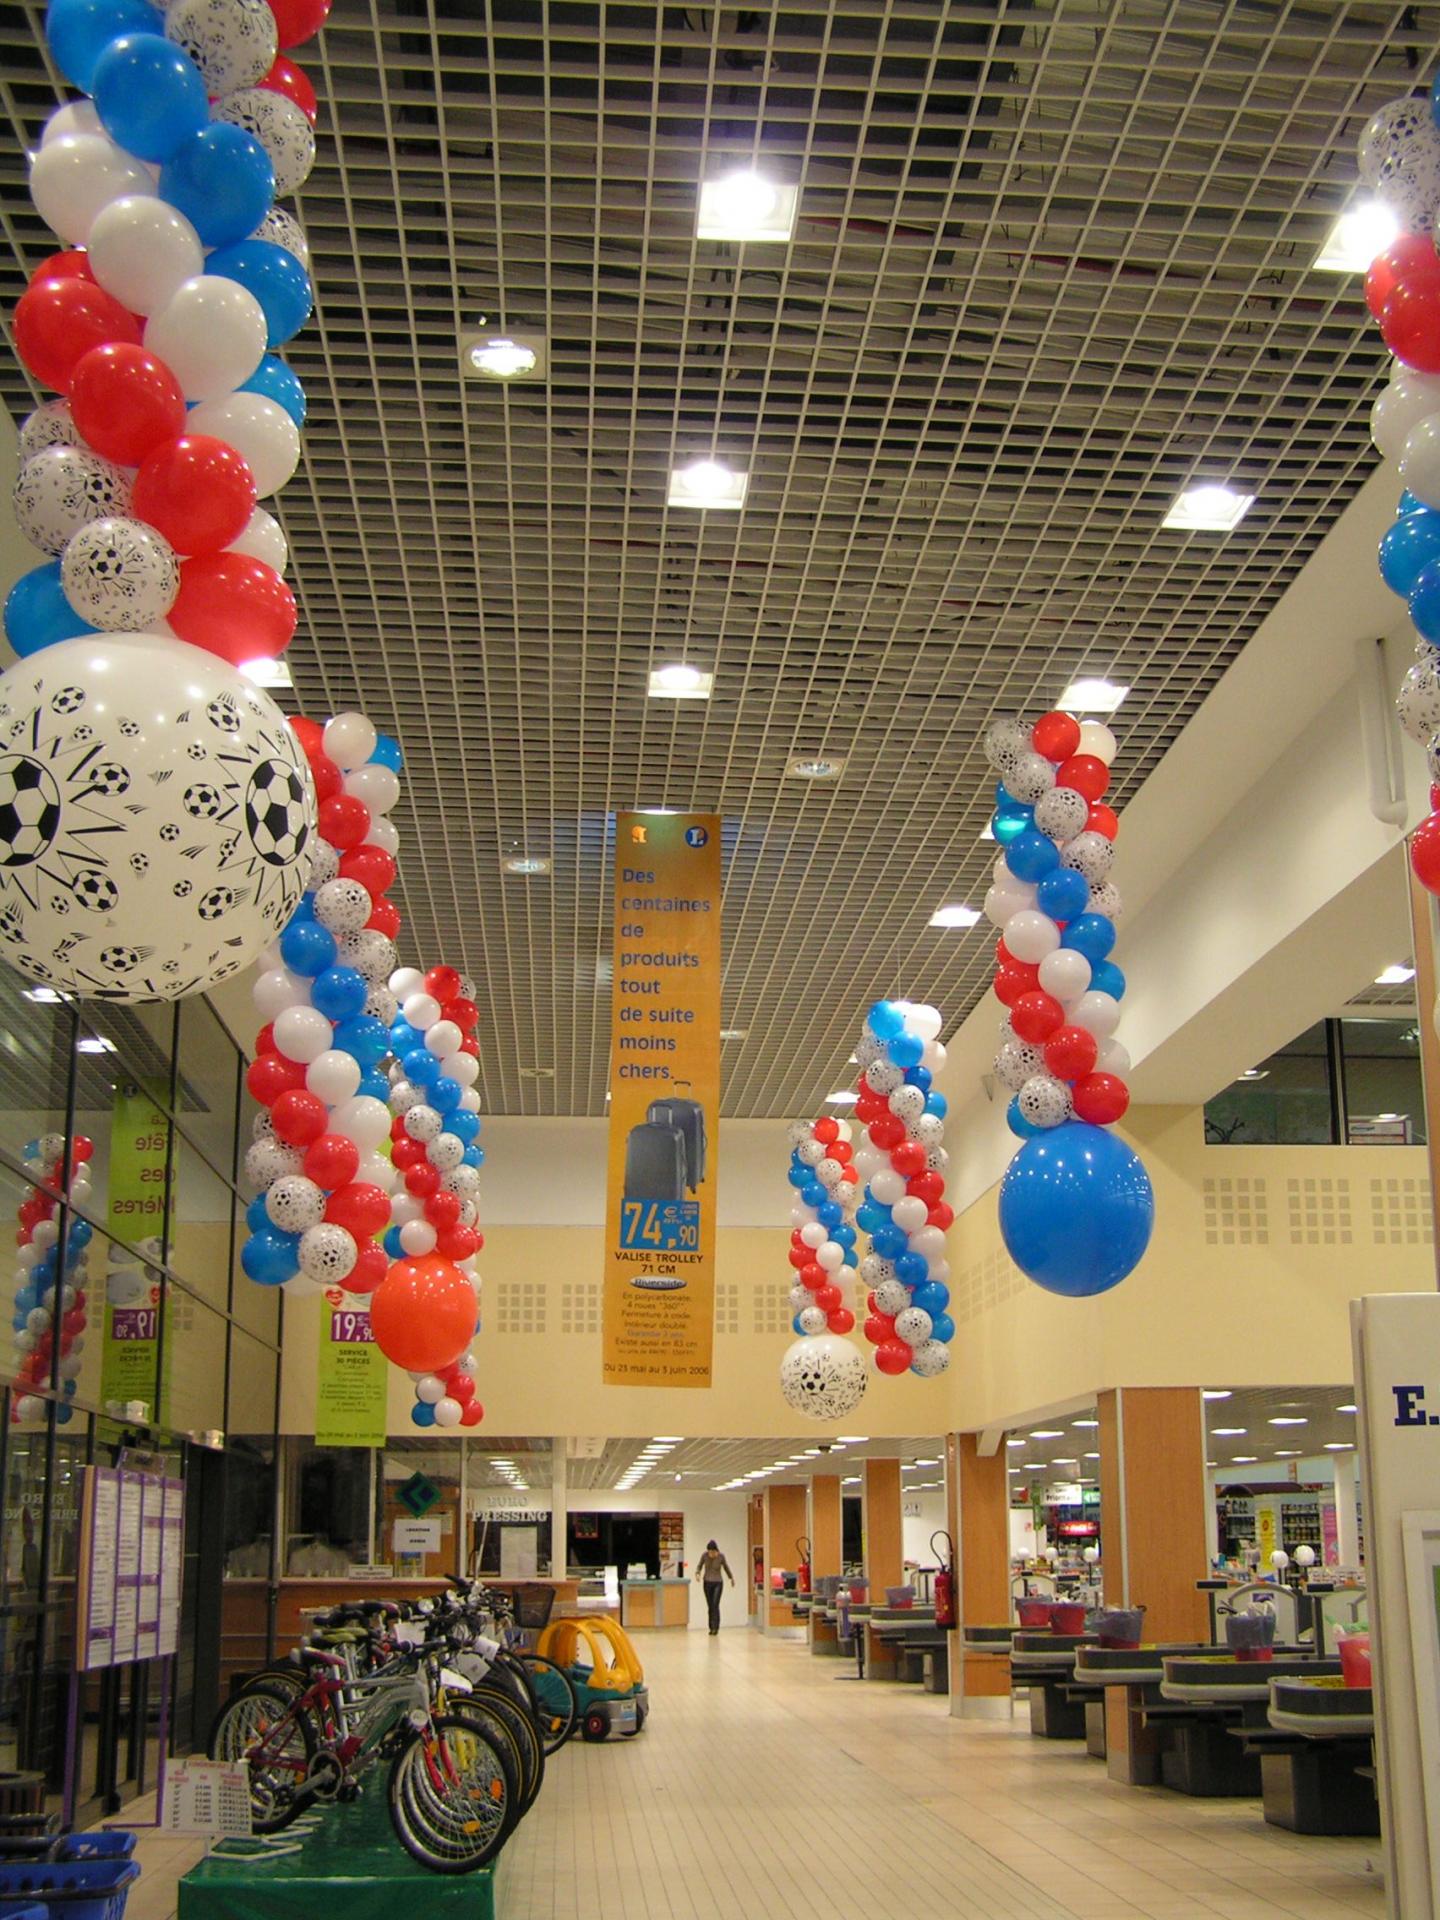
x: 712, y: 1571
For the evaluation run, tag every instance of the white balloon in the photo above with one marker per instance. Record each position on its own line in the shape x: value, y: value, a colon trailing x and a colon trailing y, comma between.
x: 76, y: 116
x: 1113, y: 1057
x: 926, y: 1021
x: 465, y: 1068
x: 813, y: 1234
x: 934, y: 1057
x: 1098, y: 1013
x: 50, y: 425
x: 211, y: 334
x: 62, y: 489
x: 333, y: 1076
x: 429, y: 1388
x: 377, y: 786
x: 443, y: 1038
x: 1031, y: 935
x: 892, y: 1296
x: 278, y: 989
x: 888, y: 1187
x: 422, y: 1010
x: 374, y: 1169
x: 119, y: 574
x: 282, y: 229
x: 909, y: 1214
x: 1410, y: 398
x: 417, y: 1237
x: 448, y: 1412
x: 913, y: 1325
x: 385, y: 835
x: 73, y: 177
x: 405, y: 981
x: 349, y: 741
x: 264, y: 540
x: 831, y: 1256
x: 1065, y: 974
x: 282, y: 128
x: 1420, y: 460
x: 326, y: 1253
x: 1097, y: 739
x: 813, y: 1320
x: 142, y: 250
x: 1001, y: 904
x: 258, y: 429
x: 929, y: 1242
x: 302, y: 1033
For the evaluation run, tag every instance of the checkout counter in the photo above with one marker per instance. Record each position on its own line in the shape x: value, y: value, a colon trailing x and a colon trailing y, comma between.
x: 654, y: 1603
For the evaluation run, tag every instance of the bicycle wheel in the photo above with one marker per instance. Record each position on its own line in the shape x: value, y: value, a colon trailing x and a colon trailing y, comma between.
x: 522, y: 1731
x: 449, y: 1799
x: 555, y: 1704
x: 263, y: 1728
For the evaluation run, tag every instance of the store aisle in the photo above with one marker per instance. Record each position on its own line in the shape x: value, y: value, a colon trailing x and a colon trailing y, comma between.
x: 767, y: 1786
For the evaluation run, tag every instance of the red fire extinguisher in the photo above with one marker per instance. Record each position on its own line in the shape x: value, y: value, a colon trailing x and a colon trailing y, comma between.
x: 944, y: 1580
x: 802, y: 1572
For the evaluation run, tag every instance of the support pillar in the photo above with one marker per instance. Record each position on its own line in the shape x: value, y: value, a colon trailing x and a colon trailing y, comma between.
x: 784, y: 1525
x: 1347, y: 1518
x: 559, y: 1508
x: 756, y: 1578
x: 978, y: 1502
x: 884, y: 1552
x: 825, y: 1550
x: 1153, y: 1536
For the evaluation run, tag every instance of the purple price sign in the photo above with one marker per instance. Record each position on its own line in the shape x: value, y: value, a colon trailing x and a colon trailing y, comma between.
x: 135, y: 1323
x: 350, y: 1326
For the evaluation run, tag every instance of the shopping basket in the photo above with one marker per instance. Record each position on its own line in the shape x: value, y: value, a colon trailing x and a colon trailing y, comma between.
x: 105, y: 1843
x: 67, y: 1889
x: 533, y: 1605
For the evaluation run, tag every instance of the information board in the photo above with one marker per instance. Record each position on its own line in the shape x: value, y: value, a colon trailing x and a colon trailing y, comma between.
x: 207, y: 1796
x: 352, y: 1388
x: 132, y: 1553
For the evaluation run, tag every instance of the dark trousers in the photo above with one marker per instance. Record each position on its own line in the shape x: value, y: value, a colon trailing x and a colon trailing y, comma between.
x: 713, y: 1590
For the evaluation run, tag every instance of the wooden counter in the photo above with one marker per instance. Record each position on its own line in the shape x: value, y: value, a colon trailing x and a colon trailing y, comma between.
x: 654, y: 1603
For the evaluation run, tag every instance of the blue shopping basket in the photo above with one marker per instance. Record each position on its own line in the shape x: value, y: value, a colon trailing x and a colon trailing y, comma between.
x: 66, y: 1889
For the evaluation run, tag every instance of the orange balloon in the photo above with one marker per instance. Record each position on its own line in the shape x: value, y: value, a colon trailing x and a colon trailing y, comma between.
x: 423, y: 1313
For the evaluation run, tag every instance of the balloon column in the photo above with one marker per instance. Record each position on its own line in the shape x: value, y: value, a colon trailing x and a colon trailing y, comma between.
x: 1075, y: 1205
x: 1399, y: 159
x: 904, y: 1210
x: 822, y: 1375
x: 44, y: 1300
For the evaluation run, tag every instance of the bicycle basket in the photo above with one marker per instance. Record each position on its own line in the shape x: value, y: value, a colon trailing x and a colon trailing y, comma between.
x: 533, y: 1606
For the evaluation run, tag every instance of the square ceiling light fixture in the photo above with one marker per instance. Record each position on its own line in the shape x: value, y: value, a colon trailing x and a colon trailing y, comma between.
x: 679, y: 681
x: 1210, y: 506
x: 1091, y: 696
x: 745, y: 206
x: 491, y: 354
x: 955, y: 916
x: 1357, y: 236
x: 1395, y: 976
x: 274, y: 675
x: 707, y: 483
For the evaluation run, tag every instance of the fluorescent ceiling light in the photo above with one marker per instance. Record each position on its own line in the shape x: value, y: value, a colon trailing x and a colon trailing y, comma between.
x: 668, y: 1439
x: 1229, y: 1433
x: 1091, y: 696
x: 1254, y: 1073
x: 845, y: 1097
x: 1287, y: 1453
x: 1242, y: 1459
x: 956, y: 916
x: 820, y: 766
x: 1349, y: 1407
x: 1084, y: 1423
x: 1092, y: 1456
x: 745, y: 206
x: 1215, y: 1393
x: 503, y: 356
x: 94, y: 1043
x: 734, y: 1033
x: 272, y: 674
x: 42, y: 996
x: 1209, y: 507
x: 854, y: 1440
x: 1339, y: 1446
x: 1288, y: 1420
x: 1357, y: 236
x: 1394, y: 976
x: 528, y: 864
x: 1014, y: 1443
x: 680, y: 681
x: 1046, y: 1433
x: 706, y: 483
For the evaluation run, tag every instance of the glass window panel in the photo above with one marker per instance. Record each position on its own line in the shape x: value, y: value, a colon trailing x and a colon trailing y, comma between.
x: 1384, y: 1098
x: 438, y: 1461
x: 200, y: 1210
x: 192, y: 1365
x: 255, y: 1308
x: 37, y: 1053
x: 1283, y: 1100
x: 327, y: 1509
x: 209, y: 1069
x: 21, y: 1612
x: 249, y: 1505
x: 252, y: 1383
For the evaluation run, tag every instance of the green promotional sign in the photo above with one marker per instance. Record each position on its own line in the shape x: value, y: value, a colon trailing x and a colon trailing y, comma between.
x: 352, y: 1391
x: 419, y: 1494
x: 135, y: 1212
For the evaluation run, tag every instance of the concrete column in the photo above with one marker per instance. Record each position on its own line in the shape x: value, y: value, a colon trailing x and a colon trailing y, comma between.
x: 559, y: 1507
x: 979, y: 1510
x: 884, y: 1551
x: 1347, y: 1524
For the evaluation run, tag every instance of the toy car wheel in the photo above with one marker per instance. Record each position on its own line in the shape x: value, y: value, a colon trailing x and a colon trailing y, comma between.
x: 642, y: 1714
x: 596, y: 1725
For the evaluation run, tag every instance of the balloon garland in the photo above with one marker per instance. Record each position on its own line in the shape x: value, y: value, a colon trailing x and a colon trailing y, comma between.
x: 37, y: 1310
x: 903, y: 1164
x: 1076, y: 1207
x: 156, y: 324
x: 822, y: 1375
x: 1399, y: 160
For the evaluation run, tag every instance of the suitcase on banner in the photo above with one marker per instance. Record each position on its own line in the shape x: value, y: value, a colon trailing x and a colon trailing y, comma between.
x: 655, y: 1163
x: 689, y: 1117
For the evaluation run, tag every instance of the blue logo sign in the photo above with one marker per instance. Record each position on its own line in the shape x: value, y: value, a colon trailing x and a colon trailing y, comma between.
x: 696, y: 836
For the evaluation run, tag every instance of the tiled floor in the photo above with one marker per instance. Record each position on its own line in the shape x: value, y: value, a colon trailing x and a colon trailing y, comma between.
x: 770, y: 1786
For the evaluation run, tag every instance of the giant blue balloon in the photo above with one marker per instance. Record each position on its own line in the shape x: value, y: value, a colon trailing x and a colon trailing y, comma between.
x: 37, y: 614
x: 149, y: 95
x: 79, y: 31
x: 1076, y: 1209
x: 222, y: 181
x: 1408, y: 546
x: 277, y: 280
x: 274, y: 381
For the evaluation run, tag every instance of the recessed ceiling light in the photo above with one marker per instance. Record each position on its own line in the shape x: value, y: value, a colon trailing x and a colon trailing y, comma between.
x: 503, y: 356
x: 679, y: 681
x: 1288, y: 1420
x: 734, y: 1033
x: 1388, y: 1116
x: 845, y: 1097
x: 746, y: 206
x: 706, y: 483
x: 1229, y: 1433
x: 94, y: 1043
x: 1033, y: 1466
x: 1242, y: 1459
x: 529, y: 864
x: 1357, y: 236
x: 668, y: 1439
x: 1349, y: 1407
x: 824, y: 766
x: 1339, y: 1446
x: 1287, y: 1453
x: 1254, y: 1073
x: 1014, y: 1443
x: 1084, y: 1423
x: 854, y: 1440
x: 957, y: 916
x: 1091, y: 696
x: 1091, y: 1456
x: 1210, y: 507
x: 1215, y: 1393
x: 272, y: 674
x: 1046, y: 1433
x: 42, y: 996
x: 1394, y: 975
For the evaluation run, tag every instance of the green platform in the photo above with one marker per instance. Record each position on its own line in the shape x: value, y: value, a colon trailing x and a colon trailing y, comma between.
x: 349, y: 1863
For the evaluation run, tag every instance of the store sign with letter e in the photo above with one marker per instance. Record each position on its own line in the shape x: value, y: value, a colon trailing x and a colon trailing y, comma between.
x: 664, y: 1101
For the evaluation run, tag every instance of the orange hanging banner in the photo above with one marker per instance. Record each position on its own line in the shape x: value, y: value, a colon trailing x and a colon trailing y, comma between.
x: 664, y: 1101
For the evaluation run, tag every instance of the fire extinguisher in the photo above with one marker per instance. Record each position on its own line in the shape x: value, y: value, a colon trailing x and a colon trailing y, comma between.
x: 802, y: 1572
x: 944, y: 1580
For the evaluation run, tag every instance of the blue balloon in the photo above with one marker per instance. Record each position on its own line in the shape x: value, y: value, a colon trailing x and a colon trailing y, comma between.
x: 391, y: 1243
x: 889, y: 1241
x: 274, y: 380
x: 387, y: 753
x: 943, y: 1328
x: 814, y: 1195
x: 365, y: 1038
x: 149, y: 95
x: 257, y: 1219
x: 885, y: 1020
x: 271, y: 1257
x: 474, y: 1157
x: 1076, y: 1209
x: 913, y: 1269
x: 222, y: 181
x: 423, y: 1414
x: 1007, y: 826
x: 1063, y: 893
x: 1092, y: 934
x: 799, y: 1175
x: 1005, y: 801
x: 933, y: 1296
x: 1032, y: 855
x: 868, y: 1217
x: 37, y: 614
x: 63, y: 1414
x: 795, y: 1326
x: 1407, y: 548
x: 919, y: 1077
x: 373, y: 1085
x: 445, y: 1094
x: 937, y: 1104
x: 842, y: 1235
x: 1409, y: 502
x: 339, y: 992
x: 404, y: 1038
x: 1425, y: 600
x: 1022, y: 1128
x: 905, y: 1050
x: 830, y: 1217
x: 307, y: 948
x: 277, y: 280
x: 1106, y: 977
x: 304, y: 908
x: 79, y: 31
x: 463, y: 1124
x: 1435, y: 100
x: 79, y: 1236
x: 422, y: 1068
x: 32, y: 1149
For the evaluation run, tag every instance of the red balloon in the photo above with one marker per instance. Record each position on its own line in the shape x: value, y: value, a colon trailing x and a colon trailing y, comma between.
x: 827, y: 1132
x: 326, y: 775
x: 298, y: 1114
x: 422, y: 1180
x: 462, y: 1388
x: 941, y: 1215
x: 442, y: 983
x: 472, y: 1415
x: 82, y: 1148
x: 234, y: 605
x: 292, y: 81
x: 1056, y: 735
x: 1070, y: 1053
x: 385, y: 918
x: 1410, y: 325
x: 442, y: 1210
x: 887, y: 1132
x: 406, y: 1153
x: 308, y: 734
x: 842, y: 1151
x: 458, y: 1243
x: 371, y: 866
x: 372, y: 1263
x: 126, y: 403
x: 271, y: 1076
x: 332, y: 1161
x: 73, y: 264
x: 423, y: 1313
x: 1102, y: 819
x: 842, y: 1320
x: 57, y: 322
x: 1101, y: 1098
x: 1412, y: 257
x: 829, y: 1297
x: 362, y: 1209
x: 908, y: 1158
x: 297, y: 20
x: 1435, y: 799
x: 344, y: 820
x: 1087, y: 774
x: 463, y: 1012
x: 1013, y: 983
x: 813, y: 1276
x: 800, y: 1256
x: 471, y: 1046
x: 1425, y: 852
x: 927, y: 1186
x: 893, y: 1356
x: 197, y: 490
x: 878, y: 1327
x: 1035, y: 1016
